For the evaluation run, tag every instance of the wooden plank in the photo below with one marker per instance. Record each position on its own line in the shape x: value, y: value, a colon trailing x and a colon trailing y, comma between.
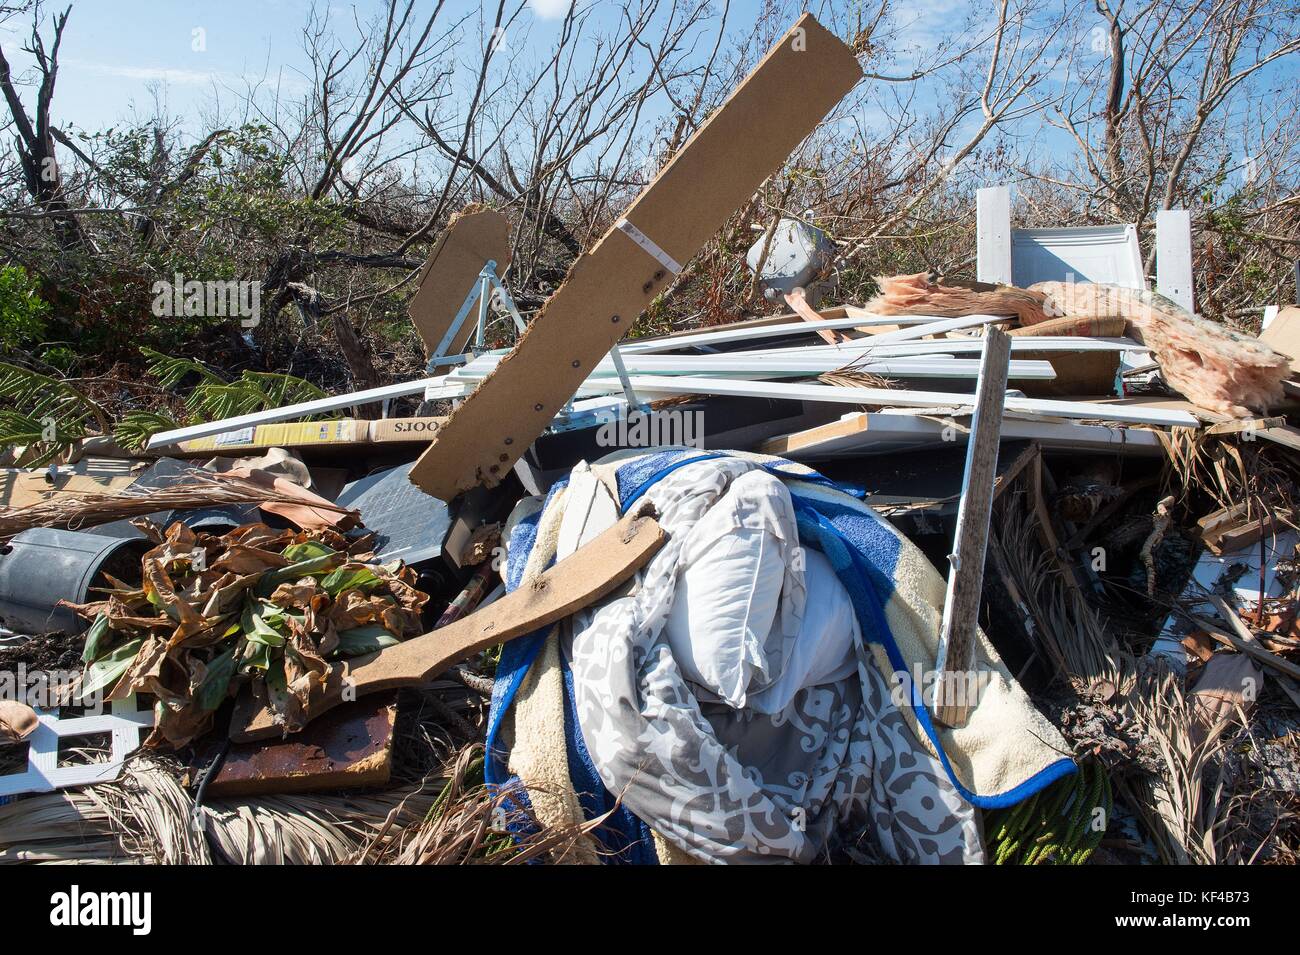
x: 1230, y: 529
x: 714, y: 174
x: 870, y: 432
x: 799, y: 303
x: 1285, y: 435
x: 1174, y: 257
x: 993, y: 235
x: 579, y: 580
x: 474, y: 237
x: 966, y: 578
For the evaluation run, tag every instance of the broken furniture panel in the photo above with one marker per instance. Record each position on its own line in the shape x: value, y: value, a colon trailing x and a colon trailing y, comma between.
x: 473, y: 238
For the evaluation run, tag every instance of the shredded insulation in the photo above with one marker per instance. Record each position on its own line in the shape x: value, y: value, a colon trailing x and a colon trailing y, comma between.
x: 1212, y: 366
x: 945, y: 298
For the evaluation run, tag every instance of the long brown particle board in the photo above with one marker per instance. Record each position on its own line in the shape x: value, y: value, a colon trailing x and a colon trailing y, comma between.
x: 473, y: 238
x: 718, y: 169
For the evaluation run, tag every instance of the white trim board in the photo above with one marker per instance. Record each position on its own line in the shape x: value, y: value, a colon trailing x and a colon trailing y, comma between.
x: 303, y: 409
x: 885, y: 432
x: 775, y: 365
x: 646, y: 385
x: 915, y: 326
x: 723, y: 335
x: 954, y: 346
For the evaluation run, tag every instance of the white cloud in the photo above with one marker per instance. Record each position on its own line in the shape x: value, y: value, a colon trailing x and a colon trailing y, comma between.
x: 148, y: 73
x: 550, y: 9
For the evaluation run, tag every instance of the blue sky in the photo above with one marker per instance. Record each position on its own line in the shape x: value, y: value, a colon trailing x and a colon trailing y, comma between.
x: 116, y: 53
x: 119, y: 55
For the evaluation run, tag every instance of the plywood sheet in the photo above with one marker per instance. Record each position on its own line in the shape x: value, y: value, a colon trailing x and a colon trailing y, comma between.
x: 714, y: 174
x: 474, y: 237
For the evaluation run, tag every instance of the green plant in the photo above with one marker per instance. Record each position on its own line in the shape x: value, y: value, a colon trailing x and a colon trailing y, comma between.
x: 211, y: 398
x: 22, y: 310
x: 45, y: 414
x: 1058, y: 825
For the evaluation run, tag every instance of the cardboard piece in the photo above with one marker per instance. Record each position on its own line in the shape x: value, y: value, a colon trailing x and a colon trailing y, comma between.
x: 306, y: 435
x: 404, y: 430
x: 1283, y: 335
x: 22, y: 488
x: 282, y: 434
x: 475, y: 236
x: 714, y: 174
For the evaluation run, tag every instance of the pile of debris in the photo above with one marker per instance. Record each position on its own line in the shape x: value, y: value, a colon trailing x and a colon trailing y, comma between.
x: 993, y: 572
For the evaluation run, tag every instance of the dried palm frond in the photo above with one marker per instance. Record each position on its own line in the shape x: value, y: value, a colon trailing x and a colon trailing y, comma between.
x: 1183, y: 809
x: 1063, y: 627
x: 148, y: 811
x: 470, y: 823
x: 851, y: 377
x: 74, y: 511
x: 147, y: 816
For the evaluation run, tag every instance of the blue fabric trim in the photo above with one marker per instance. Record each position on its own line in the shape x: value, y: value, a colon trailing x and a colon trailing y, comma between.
x: 516, y: 655
x: 854, y: 573
x: 643, y: 473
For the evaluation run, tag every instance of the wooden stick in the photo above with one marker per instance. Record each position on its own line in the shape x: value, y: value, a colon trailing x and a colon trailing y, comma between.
x: 582, y: 578
x: 966, y: 578
x: 799, y: 305
x: 1244, y: 641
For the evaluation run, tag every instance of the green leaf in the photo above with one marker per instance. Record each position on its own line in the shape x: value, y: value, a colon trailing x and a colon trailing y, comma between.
x: 303, y: 568
x: 306, y: 550
x: 258, y: 658
x: 106, y: 671
x: 96, y: 642
x: 216, y: 681
x: 135, y: 428
x: 258, y: 623
x: 359, y: 640
x: 350, y: 578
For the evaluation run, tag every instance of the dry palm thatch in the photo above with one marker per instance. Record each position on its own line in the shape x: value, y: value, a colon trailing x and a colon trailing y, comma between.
x: 143, y: 817
x: 851, y: 377
x: 148, y: 816
x: 89, y: 509
x: 1064, y: 629
x: 472, y: 824
x: 1185, y: 806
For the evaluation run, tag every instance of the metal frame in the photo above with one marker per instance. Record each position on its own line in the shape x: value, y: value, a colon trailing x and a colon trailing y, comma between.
x: 488, y: 286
